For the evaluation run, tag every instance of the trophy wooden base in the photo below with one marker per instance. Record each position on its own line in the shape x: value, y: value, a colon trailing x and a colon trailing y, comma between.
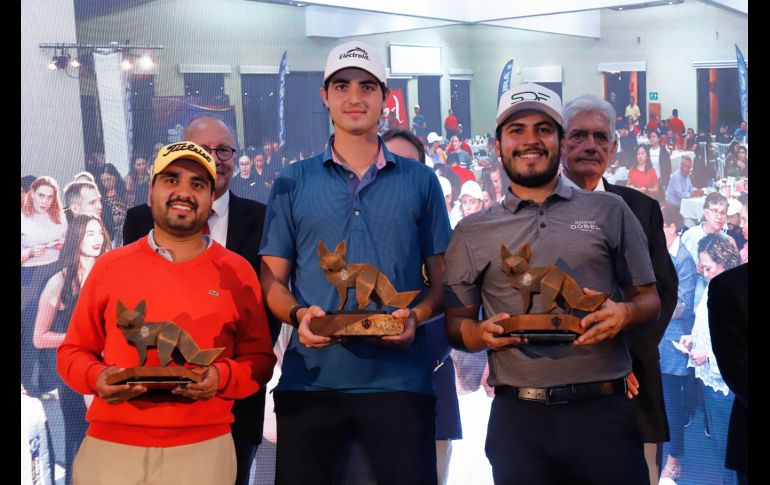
x: 157, y: 377
x: 554, y: 327
x: 357, y: 324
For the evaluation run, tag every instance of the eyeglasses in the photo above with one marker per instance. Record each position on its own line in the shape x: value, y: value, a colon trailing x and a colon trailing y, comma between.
x: 717, y: 211
x: 224, y: 153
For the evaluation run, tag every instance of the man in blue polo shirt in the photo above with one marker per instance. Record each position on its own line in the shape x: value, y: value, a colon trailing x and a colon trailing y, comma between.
x: 390, y: 212
x: 560, y: 413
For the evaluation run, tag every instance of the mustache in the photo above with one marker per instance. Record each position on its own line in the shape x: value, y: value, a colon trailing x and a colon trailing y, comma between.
x: 189, y: 202
x: 517, y: 153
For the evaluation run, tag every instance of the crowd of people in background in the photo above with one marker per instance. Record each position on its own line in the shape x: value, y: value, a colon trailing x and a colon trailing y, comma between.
x: 64, y: 230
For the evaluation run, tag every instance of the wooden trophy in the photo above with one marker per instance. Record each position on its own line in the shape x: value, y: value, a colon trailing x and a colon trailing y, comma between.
x: 555, y: 287
x: 370, y: 284
x: 173, y: 344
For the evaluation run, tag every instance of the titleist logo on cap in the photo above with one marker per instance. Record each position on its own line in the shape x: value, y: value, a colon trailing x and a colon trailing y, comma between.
x: 529, y: 96
x: 355, y: 52
x: 188, y: 146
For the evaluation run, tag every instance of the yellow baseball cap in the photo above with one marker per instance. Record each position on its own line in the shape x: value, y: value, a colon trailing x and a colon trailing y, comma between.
x: 184, y: 150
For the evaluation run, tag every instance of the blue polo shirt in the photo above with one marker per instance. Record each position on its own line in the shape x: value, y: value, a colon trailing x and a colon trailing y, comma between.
x: 393, y: 219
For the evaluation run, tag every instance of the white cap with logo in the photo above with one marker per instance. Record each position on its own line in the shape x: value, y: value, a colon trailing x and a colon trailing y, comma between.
x: 529, y: 97
x: 355, y: 54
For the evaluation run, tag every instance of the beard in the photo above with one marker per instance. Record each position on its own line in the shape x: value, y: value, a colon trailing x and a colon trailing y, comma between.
x: 173, y: 224
x: 532, y: 179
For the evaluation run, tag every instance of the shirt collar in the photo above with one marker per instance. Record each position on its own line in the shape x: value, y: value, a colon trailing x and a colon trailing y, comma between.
x: 674, y: 249
x: 514, y: 203
x: 599, y: 187
x: 222, y: 204
x: 384, y: 156
x: 165, y: 253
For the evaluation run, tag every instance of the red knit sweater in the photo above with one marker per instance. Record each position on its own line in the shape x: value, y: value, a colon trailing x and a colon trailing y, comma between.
x: 215, y: 297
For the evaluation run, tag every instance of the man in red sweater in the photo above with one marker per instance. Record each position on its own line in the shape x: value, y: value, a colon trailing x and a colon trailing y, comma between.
x: 213, y: 294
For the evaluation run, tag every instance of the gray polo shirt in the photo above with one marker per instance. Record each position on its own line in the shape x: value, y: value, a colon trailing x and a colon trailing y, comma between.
x: 593, y: 236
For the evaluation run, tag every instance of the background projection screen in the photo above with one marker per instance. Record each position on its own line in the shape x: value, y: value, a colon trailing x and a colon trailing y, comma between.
x: 415, y: 59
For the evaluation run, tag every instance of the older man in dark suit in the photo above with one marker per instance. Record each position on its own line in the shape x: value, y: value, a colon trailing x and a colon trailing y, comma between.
x: 237, y: 224
x: 728, y: 305
x: 587, y: 149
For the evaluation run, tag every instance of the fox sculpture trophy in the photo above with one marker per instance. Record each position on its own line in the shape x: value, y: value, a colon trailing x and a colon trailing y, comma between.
x: 556, y: 288
x: 173, y: 344
x: 370, y: 284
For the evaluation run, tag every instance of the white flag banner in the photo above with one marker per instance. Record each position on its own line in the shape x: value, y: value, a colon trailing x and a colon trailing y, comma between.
x: 115, y: 109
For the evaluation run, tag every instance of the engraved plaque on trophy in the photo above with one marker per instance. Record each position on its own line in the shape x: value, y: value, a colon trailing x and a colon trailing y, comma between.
x: 370, y: 284
x: 559, y: 296
x: 174, y: 344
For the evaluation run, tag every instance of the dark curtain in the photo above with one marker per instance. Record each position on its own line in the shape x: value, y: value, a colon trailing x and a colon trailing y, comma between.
x: 616, y: 90
x: 306, y: 117
x: 429, y: 99
x: 142, y: 115
x: 719, y: 102
x: 704, y: 105
x: 260, y: 108
x: 204, y: 85
x: 92, y: 128
x: 555, y: 87
x: 461, y: 104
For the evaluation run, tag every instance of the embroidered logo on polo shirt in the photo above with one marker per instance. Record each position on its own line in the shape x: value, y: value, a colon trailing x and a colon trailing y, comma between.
x: 585, y: 226
x: 213, y: 293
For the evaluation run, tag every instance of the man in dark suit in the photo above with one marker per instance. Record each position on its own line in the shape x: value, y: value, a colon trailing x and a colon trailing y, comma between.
x: 587, y: 148
x: 237, y: 224
x: 728, y: 305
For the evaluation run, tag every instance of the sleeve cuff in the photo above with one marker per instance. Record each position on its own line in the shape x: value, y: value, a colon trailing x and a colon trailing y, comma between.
x: 224, y: 375
x: 93, y: 374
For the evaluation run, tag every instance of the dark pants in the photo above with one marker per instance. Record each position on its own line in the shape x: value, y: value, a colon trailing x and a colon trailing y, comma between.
x: 249, y: 415
x: 595, y: 441
x: 718, y: 407
x: 676, y: 410
x: 73, y: 410
x: 396, y: 429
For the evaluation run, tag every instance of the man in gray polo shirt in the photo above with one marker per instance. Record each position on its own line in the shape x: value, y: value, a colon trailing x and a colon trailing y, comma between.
x: 588, y: 433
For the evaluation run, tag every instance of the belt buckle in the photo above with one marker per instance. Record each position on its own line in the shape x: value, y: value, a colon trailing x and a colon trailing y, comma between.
x: 559, y: 394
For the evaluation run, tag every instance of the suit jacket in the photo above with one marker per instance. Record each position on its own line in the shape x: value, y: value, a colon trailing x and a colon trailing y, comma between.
x: 643, y: 340
x: 728, y: 305
x: 244, y: 234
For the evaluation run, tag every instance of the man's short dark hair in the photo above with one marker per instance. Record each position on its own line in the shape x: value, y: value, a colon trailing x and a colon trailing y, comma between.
x: 715, y: 198
x: 383, y: 87
x: 675, y: 112
x: 408, y: 136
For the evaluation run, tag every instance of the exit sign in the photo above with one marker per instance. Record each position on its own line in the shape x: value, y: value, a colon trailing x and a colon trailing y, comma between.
x: 653, y: 95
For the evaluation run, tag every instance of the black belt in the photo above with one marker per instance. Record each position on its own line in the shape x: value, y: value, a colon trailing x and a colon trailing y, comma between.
x: 564, y: 394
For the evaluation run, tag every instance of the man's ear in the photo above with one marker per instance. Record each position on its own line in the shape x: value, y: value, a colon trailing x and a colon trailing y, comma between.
x: 324, y: 97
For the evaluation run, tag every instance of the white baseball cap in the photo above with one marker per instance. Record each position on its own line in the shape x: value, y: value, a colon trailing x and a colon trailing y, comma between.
x: 446, y: 186
x: 529, y: 97
x: 471, y: 188
x: 433, y: 136
x: 355, y: 54
x: 734, y: 206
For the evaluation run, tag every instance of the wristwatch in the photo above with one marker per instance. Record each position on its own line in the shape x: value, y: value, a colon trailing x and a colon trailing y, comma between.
x: 293, y: 315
